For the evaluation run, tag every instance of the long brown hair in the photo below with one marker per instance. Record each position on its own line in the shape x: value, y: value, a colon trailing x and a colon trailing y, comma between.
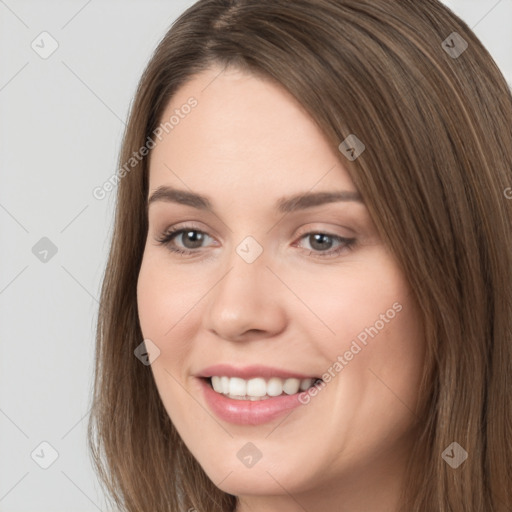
x: 416, y: 86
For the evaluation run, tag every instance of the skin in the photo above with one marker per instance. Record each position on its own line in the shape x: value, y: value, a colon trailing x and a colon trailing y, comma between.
x: 247, y: 144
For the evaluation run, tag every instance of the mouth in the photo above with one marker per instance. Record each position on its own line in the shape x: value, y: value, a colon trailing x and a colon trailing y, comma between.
x: 259, y: 388
x: 253, y: 395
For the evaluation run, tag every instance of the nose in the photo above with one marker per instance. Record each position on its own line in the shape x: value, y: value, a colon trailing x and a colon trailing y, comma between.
x: 247, y: 302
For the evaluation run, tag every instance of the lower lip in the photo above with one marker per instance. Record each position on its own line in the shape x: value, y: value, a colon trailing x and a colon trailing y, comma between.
x: 248, y: 412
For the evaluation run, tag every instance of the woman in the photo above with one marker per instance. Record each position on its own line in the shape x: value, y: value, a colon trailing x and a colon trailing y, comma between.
x: 240, y: 364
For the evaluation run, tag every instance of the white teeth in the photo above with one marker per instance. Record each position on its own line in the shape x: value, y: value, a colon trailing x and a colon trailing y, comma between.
x: 216, y: 384
x: 305, y: 384
x: 224, y: 382
x: 237, y: 386
x: 291, y: 386
x: 275, y: 387
x: 257, y: 388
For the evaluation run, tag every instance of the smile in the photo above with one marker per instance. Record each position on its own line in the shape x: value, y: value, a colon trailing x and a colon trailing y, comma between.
x: 258, y: 388
x: 252, y: 395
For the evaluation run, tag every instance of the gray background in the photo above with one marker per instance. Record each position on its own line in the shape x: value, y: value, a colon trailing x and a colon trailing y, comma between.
x: 61, y: 122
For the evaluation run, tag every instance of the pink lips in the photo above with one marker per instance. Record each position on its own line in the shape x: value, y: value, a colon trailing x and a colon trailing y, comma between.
x: 247, y: 412
x: 249, y: 372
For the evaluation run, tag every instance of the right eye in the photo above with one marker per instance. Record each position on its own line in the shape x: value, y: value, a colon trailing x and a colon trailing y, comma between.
x: 188, y: 234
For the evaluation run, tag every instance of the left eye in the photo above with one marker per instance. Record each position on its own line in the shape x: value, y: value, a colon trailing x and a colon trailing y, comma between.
x: 192, y: 239
x: 323, y: 242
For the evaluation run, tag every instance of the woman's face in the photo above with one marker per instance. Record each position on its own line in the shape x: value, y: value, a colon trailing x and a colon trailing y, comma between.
x: 272, y: 294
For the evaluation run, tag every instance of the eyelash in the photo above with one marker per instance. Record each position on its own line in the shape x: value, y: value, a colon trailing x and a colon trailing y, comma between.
x: 166, y: 239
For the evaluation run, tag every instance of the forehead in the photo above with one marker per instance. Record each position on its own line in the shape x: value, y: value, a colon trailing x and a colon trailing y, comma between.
x: 242, y: 130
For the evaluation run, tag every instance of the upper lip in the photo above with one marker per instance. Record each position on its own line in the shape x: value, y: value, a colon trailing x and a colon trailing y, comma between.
x: 248, y: 372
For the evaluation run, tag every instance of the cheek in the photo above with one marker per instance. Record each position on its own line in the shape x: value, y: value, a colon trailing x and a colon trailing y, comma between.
x: 388, y: 331
x: 162, y: 304
x: 362, y: 302
x: 165, y: 298
x: 165, y: 308
x: 381, y: 381
x: 399, y: 354
x: 374, y: 342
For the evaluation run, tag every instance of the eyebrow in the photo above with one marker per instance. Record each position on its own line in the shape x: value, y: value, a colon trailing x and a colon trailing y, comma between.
x: 283, y: 205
